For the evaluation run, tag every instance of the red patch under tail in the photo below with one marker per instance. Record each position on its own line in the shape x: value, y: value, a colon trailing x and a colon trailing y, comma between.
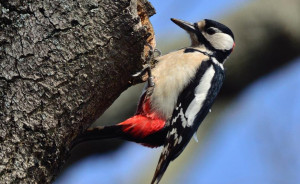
x: 143, y: 124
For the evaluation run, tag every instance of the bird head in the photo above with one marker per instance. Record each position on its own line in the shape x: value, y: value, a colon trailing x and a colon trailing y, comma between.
x: 215, y: 36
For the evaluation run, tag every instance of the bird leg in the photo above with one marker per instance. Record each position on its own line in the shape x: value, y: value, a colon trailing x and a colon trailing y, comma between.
x: 147, y: 68
x: 158, y: 52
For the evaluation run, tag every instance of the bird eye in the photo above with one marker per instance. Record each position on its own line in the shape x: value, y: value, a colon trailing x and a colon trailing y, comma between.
x: 210, y: 31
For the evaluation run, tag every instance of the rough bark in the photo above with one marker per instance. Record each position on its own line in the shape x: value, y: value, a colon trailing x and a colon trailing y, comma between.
x: 62, y: 63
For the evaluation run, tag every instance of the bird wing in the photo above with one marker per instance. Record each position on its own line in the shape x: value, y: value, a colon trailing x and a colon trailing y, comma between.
x: 192, y: 106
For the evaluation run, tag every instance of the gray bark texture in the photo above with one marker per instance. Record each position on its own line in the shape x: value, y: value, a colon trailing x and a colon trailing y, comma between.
x: 62, y: 63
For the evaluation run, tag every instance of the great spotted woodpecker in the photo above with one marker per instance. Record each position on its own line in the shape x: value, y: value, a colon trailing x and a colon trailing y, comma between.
x: 186, y: 83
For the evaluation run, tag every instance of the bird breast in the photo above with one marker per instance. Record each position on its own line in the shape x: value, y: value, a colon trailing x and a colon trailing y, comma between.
x: 173, y: 72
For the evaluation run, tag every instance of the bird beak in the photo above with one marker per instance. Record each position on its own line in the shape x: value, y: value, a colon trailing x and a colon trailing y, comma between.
x: 184, y: 25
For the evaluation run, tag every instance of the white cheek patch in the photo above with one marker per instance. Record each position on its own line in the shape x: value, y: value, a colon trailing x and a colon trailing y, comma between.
x: 220, y: 41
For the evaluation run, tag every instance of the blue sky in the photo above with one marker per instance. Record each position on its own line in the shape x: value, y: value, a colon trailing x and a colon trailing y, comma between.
x: 118, y: 167
x: 191, y: 10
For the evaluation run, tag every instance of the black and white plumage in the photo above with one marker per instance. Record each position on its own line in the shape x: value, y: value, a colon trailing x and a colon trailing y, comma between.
x: 186, y: 83
x: 191, y: 108
x: 214, y: 42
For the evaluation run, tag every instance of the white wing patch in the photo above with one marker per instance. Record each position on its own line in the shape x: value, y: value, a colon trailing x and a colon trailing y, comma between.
x: 181, y: 114
x: 200, y: 95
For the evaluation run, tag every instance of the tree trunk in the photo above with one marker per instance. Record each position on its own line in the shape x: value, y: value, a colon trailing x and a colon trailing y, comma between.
x: 62, y: 63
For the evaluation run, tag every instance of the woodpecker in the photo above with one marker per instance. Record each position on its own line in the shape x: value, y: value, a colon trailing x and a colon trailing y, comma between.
x: 184, y: 87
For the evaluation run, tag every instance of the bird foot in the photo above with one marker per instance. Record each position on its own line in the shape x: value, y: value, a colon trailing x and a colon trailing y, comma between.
x: 146, y: 69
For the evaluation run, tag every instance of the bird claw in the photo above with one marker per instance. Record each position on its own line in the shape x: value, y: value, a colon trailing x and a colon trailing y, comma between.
x: 150, y: 46
x: 151, y: 81
x: 138, y: 74
x: 142, y: 72
x: 153, y: 51
x: 157, y: 51
x: 147, y: 68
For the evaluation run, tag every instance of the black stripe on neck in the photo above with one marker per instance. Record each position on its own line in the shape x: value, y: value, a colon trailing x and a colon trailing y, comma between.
x: 219, y: 55
x: 187, y: 50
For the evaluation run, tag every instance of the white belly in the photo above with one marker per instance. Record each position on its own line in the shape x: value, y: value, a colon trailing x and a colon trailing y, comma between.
x: 171, y: 75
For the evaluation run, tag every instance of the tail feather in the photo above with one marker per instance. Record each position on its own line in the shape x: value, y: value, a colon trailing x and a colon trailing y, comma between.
x: 98, y: 133
x: 161, y: 169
